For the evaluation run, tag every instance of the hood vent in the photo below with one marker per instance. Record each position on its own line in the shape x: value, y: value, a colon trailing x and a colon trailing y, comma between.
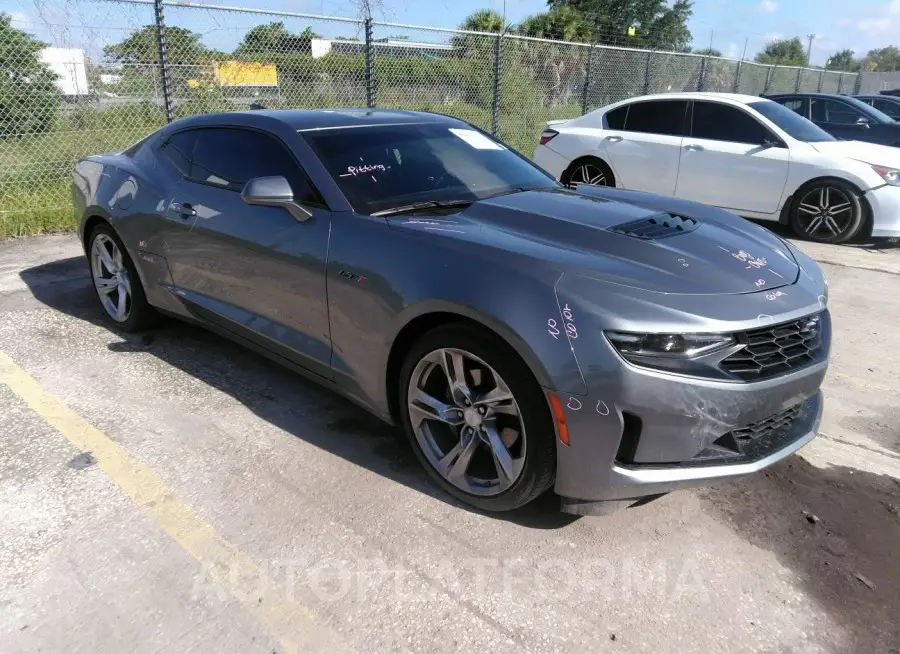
x: 659, y: 226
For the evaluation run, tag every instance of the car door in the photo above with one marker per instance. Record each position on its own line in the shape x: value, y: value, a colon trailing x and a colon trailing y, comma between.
x: 254, y: 270
x: 839, y: 119
x: 731, y: 160
x: 643, y: 145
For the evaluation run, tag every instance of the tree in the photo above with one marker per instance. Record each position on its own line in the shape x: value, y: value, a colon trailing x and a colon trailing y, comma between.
x: 562, y: 23
x: 882, y: 60
x: 709, y: 52
x: 184, y: 47
x: 483, y: 20
x: 784, y: 52
x: 29, y: 96
x: 656, y: 24
x: 274, y: 38
x: 842, y: 60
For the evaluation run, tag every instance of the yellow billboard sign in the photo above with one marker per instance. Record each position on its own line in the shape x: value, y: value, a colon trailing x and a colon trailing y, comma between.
x: 246, y: 73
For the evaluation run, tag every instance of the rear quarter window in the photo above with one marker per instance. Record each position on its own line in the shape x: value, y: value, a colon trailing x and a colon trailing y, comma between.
x: 615, y: 119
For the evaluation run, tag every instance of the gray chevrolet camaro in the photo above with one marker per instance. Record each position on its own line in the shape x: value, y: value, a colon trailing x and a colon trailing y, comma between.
x: 611, y: 345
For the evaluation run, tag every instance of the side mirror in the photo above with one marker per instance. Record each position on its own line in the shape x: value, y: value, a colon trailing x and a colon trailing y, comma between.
x: 274, y: 192
x: 862, y: 122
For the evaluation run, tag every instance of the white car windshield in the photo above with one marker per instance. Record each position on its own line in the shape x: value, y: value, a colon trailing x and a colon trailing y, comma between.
x: 791, y: 122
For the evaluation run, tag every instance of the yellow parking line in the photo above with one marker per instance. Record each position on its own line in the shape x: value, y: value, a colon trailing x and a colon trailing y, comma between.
x: 296, y: 626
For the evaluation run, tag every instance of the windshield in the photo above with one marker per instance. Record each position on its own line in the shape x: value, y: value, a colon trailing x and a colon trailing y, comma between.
x: 793, y: 123
x: 384, y: 167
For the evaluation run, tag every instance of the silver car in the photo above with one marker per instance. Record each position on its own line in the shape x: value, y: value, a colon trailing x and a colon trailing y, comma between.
x: 606, y: 344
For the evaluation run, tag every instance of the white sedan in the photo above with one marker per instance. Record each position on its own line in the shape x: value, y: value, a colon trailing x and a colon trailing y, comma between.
x: 746, y: 154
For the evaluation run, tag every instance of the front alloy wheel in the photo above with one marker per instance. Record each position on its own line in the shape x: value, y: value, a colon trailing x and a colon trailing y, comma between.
x: 111, y: 278
x: 830, y: 212
x: 476, y: 417
x: 466, y: 422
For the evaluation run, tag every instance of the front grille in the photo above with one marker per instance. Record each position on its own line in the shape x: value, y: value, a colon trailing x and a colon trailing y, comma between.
x: 658, y: 226
x: 776, y: 350
x: 752, y: 442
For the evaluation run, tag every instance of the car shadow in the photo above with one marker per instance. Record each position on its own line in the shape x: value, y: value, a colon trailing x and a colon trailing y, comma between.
x: 270, y: 391
x: 838, y: 529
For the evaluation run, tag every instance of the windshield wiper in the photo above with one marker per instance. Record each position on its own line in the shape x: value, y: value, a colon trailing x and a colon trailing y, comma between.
x: 418, y: 206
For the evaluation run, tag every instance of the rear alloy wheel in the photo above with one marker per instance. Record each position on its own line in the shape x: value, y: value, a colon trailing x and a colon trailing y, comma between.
x: 590, y: 172
x: 828, y: 212
x: 477, y: 421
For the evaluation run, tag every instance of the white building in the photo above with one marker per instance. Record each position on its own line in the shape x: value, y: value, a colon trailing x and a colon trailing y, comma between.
x: 70, y: 66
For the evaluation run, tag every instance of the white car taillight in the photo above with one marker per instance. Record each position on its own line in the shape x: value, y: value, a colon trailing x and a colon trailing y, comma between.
x: 547, y: 135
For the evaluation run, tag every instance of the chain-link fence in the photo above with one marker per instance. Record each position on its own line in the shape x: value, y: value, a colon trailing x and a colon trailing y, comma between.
x: 99, y: 75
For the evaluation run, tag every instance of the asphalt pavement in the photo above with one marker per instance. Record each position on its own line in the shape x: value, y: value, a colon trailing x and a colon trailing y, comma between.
x: 171, y: 491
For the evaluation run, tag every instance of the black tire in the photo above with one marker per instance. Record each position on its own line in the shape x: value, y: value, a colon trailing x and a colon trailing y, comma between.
x: 820, y: 227
x: 539, y: 469
x: 141, y: 315
x: 573, y: 174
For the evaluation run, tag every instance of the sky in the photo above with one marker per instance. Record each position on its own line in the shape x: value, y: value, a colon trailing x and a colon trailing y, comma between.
x: 727, y: 25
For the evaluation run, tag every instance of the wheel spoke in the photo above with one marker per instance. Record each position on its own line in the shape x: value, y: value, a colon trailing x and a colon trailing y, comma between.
x: 831, y: 225
x: 456, y: 462
x: 105, y: 285
x: 585, y: 175
x: 429, y: 407
x: 122, y: 306
x: 814, y: 225
x: 106, y: 259
x: 809, y: 208
x: 840, y: 208
x: 598, y: 180
x: 502, y: 459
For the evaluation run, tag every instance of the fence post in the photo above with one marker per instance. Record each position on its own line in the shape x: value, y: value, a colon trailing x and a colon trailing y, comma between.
x: 163, y: 53
x: 858, y: 84
x: 498, y: 72
x: 370, y: 64
x: 648, y: 72
x: 821, y: 79
x: 737, y: 76
x: 701, y: 81
x: 587, y: 80
x: 797, y: 85
x: 768, y: 80
x: 841, y: 82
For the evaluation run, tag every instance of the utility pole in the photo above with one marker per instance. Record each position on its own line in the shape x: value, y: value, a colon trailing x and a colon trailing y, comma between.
x: 809, y: 48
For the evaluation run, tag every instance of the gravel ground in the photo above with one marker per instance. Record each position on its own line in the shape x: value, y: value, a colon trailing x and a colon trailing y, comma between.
x: 228, y: 505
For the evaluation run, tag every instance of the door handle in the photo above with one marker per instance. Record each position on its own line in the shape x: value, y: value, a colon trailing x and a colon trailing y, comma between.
x: 693, y: 147
x: 613, y: 139
x: 183, y: 209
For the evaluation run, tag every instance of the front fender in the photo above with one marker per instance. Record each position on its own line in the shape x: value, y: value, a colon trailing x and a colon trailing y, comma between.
x: 522, y: 324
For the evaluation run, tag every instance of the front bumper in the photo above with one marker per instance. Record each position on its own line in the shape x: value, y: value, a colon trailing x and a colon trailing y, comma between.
x: 885, y: 204
x: 681, y: 421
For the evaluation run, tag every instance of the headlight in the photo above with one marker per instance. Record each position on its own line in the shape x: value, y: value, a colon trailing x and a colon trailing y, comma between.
x: 669, y: 346
x: 890, y: 175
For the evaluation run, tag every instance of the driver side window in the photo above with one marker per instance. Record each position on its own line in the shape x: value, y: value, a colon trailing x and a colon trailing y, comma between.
x: 836, y: 113
x: 229, y: 157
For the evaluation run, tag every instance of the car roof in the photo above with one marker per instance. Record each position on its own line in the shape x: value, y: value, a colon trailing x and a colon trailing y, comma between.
x: 878, y: 96
x: 701, y: 95
x: 808, y: 95
x: 312, y: 119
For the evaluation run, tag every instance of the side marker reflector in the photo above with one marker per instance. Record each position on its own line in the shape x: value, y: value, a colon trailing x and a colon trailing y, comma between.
x: 559, y: 417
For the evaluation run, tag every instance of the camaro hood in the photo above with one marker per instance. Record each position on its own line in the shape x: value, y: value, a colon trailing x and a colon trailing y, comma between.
x: 627, y: 244
x: 872, y: 153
